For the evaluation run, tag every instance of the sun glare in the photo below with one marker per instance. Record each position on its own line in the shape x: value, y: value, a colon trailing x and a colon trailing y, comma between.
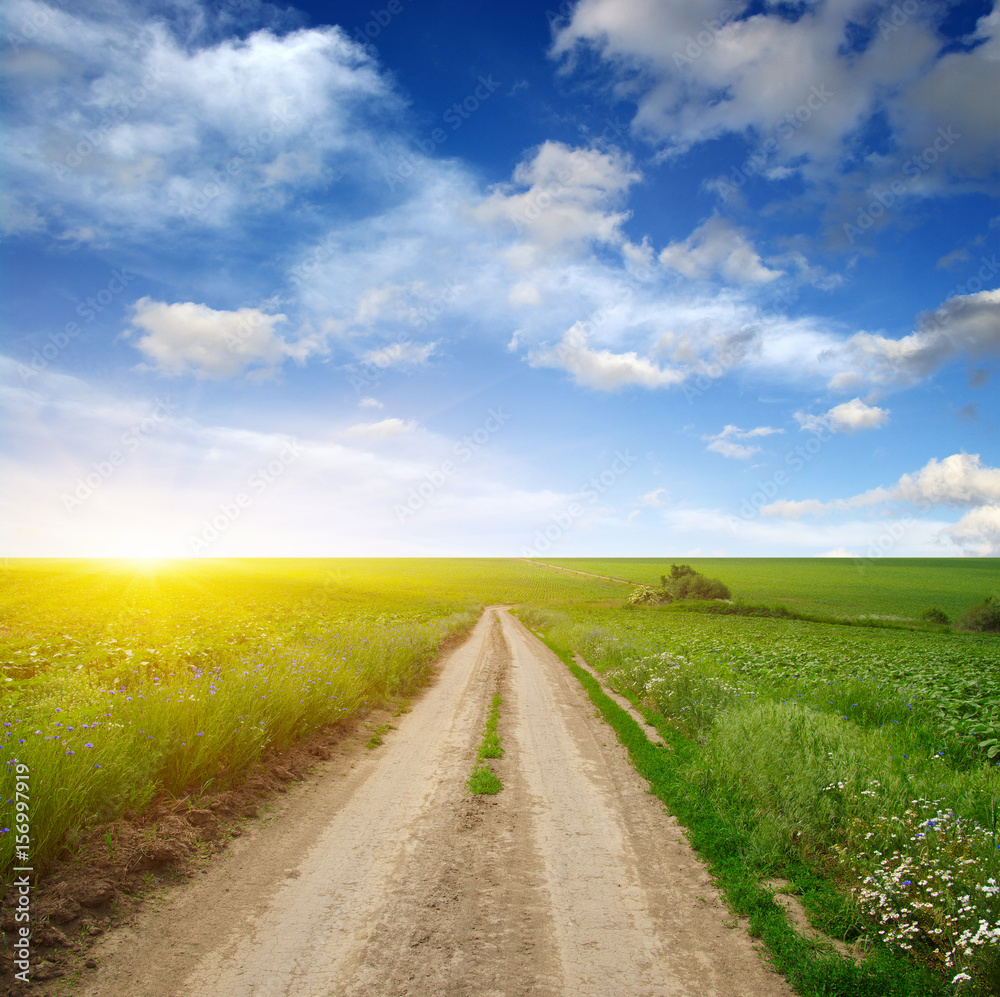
x: 145, y: 563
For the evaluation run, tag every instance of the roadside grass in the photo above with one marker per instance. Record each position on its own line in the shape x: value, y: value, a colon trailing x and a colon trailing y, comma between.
x: 484, y: 781
x: 854, y: 790
x: 492, y: 746
x: 722, y: 831
x: 376, y: 739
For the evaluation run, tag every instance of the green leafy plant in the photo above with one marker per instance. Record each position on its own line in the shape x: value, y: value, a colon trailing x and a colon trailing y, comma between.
x: 492, y: 746
x: 376, y: 739
x: 483, y: 781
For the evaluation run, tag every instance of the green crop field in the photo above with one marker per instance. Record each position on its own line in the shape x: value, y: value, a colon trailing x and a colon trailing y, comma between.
x: 865, y: 756
x: 859, y: 762
x: 893, y: 587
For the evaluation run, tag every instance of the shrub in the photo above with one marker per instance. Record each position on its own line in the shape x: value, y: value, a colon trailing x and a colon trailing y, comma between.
x: 983, y: 617
x: 646, y: 595
x: 684, y: 583
x: 699, y: 587
x: 935, y: 615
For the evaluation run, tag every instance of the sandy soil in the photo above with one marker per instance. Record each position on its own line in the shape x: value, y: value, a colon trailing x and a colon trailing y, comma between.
x: 387, y: 879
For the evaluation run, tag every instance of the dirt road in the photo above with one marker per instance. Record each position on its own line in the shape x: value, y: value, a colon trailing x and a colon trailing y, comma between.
x: 386, y: 879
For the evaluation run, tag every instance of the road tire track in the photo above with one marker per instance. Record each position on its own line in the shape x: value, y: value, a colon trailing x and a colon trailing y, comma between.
x: 394, y: 881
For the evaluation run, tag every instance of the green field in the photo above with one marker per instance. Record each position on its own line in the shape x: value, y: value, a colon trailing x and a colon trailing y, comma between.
x: 863, y: 757
x: 893, y: 587
x: 125, y: 680
x: 859, y: 762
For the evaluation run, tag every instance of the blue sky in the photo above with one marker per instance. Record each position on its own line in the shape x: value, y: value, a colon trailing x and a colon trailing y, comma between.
x: 615, y: 277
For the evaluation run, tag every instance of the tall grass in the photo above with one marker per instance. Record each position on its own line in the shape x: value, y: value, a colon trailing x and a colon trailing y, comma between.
x: 121, y: 683
x: 865, y: 777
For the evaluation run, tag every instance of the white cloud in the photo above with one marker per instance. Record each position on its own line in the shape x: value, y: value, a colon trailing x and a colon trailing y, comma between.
x: 565, y: 201
x: 724, y: 442
x: 524, y: 293
x: 942, y: 95
x: 146, y: 129
x: 330, y: 497
x: 796, y: 86
x: 718, y: 248
x: 848, y: 417
x: 795, y: 509
x: 748, y: 537
x: 966, y: 325
x: 192, y: 338
x: 960, y: 481
x: 978, y: 532
x: 654, y: 499
x: 399, y: 355
x: 604, y: 369
x: 370, y: 403
x: 388, y: 301
x: 387, y: 429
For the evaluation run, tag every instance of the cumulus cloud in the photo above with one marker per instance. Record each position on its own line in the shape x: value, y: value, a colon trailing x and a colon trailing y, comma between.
x: 604, y: 369
x: 561, y: 198
x: 718, y: 248
x: 725, y: 443
x: 802, y: 86
x: 978, y: 532
x: 848, y: 417
x: 958, y: 481
x: 156, y: 122
x: 966, y: 325
x: 190, y: 338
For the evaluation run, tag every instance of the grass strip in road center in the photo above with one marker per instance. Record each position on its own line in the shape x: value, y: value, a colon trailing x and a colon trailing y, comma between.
x: 484, y: 781
x: 718, y: 830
